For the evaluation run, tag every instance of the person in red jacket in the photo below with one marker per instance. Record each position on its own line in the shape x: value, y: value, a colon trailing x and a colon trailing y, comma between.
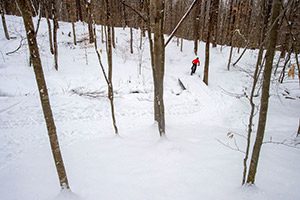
x: 195, y: 62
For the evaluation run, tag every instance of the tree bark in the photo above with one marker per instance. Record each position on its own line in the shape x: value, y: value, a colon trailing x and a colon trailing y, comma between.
x: 74, y: 33
x: 55, y: 28
x: 159, y: 60
x: 196, y: 26
x: 131, y: 41
x: 79, y: 12
x: 43, y: 92
x: 4, y: 22
x: 148, y: 24
x: 213, y: 14
x: 46, y: 9
x: 90, y: 21
x: 109, y: 60
x: 265, y: 92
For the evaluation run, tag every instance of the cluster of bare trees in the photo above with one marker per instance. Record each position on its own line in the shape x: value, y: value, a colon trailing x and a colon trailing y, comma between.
x: 232, y: 15
x: 239, y: 23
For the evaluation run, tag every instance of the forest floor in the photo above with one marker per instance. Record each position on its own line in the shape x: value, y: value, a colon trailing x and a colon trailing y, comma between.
x: 201, y: 156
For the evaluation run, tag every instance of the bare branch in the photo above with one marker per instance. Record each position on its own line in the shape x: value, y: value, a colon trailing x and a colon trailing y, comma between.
x: 180, y: 22
x: 282, y: 143
x: 230, y: 147
x: 135, y: 10
x: 17, y: 49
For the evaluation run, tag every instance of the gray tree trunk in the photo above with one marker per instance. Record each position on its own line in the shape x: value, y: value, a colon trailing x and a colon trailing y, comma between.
x: 213, y: 14
x: 276, y: 6
x: 90, y: 21
x: 45, y: 7
x: 3, y: 20
x: 109, y: 60
x: 159, y: 60
x: 55, y: 28
x: 43, y: 92
x: 131, y: 41
x: 74, y: 33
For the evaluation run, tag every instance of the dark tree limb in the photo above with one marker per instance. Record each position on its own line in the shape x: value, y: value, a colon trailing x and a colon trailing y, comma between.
x: 180, y: 22
x: 17, y: 49
x: 136, y: 11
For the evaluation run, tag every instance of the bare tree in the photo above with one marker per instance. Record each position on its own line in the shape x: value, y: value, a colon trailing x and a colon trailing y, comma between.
x: 2, y: 12
x: 196, y: 17
x: 276, y: 7
x: 88, y: 5
x: 231, y: 32
x: 109, y: 59
x: 131, y: 41
x: 79, y: 11
x: 213, y: 14
x: 71, y: 17
x: 43, y: 92
x: 157, y: 6
x: 45, y: 6
x: 265, y: 8
x: 55, y: 28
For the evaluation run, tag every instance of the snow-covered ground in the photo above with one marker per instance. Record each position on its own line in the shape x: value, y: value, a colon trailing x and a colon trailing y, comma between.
x: 191, y: 163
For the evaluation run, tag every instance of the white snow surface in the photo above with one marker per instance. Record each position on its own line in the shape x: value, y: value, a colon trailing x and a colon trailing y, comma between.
x: 194, y: 161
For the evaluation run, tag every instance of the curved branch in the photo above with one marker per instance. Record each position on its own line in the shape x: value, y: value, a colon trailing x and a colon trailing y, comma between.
x: 135, y: 10
x: 17, y: 49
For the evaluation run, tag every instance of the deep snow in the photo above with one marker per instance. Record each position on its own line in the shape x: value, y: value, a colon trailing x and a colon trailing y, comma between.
x: 191, y: 163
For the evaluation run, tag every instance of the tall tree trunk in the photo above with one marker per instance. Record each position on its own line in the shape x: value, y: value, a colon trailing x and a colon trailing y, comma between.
x: 113, y: 37
x: 196, y: 25
x: 231, y: 32
x: 203, y: 13
x: 3, y: 20
x: 215, y: 24
x: 39, y: 20
x: 102, y: 34
x: 78, y: 10
x: 109, y: 60
x: 213, y: 14
x: 71, y: 17
x: 131, y: 41
x: 55, y: 28
x: 265, y: 92
x: 181, y: 44
x: 148, y: 24
x: 44, y: 98
x: 90, y: 20
x: 46, y: 9
x: 74, y: 33
x: 159, y: 60
x: 265, y: 13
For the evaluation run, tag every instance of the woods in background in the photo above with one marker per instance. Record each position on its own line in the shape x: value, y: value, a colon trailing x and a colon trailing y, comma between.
x: 242, y: 15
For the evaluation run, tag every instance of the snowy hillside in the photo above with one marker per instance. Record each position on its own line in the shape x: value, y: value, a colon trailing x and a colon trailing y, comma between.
x: 195, y: 161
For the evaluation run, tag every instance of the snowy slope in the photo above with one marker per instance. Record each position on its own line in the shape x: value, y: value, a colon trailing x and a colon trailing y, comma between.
x: 190, y: 163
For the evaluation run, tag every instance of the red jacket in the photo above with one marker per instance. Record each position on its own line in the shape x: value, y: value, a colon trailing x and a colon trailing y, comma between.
x: 196, y: 61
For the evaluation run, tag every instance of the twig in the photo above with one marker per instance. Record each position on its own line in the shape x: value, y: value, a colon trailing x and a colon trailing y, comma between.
x: 94, y: 94
x: 281, y: 143
x: 20, y: 45
x: 230, y: 147
x: 238, y: 96
x: 233, y: 133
